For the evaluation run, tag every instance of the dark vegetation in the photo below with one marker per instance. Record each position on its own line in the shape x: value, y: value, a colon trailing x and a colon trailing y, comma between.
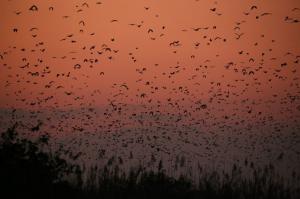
x: 28, y: 171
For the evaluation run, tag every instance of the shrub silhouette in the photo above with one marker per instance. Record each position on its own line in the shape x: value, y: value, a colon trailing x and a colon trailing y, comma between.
x: 25, y: 170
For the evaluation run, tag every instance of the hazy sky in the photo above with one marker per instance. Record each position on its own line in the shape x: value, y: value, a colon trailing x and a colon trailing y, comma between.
x: 176, y: 55
x: 205, y: 78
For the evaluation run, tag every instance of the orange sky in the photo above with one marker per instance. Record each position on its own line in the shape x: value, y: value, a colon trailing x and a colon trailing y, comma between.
x: 199, y: 77
x: 198, y: 67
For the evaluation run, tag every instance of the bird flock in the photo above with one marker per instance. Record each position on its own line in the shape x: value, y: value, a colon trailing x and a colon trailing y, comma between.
x: 201, y: 80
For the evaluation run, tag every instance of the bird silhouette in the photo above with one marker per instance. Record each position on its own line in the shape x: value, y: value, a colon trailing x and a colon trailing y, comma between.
x: 33, y: 8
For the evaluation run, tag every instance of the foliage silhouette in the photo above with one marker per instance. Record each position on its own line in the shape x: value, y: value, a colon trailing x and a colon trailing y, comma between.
x: 25, y: 170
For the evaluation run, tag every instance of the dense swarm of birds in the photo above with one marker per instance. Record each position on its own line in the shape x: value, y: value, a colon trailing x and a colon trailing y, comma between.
x: 112, y: 84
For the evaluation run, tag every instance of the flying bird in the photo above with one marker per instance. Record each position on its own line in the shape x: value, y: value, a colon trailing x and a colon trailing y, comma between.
x: 33, y: 8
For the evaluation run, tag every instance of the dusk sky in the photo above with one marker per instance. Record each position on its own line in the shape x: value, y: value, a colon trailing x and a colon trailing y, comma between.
x: 172, y: 73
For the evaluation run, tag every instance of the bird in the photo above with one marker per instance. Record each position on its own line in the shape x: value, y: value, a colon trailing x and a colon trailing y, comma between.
x: 33, y: 8
x: 17, y: 12
x: 253, y: 7
x: 37, y: 127
x: 150, y: 30
x: 239, y: 35
x: 77, y: 66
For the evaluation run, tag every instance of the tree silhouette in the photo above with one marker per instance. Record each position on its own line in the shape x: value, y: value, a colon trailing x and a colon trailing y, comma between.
x: 26, y: 170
